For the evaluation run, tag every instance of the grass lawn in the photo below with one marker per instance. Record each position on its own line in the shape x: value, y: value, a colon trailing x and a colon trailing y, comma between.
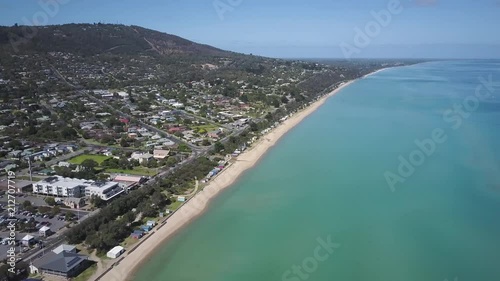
x: 146, y: 219
x: 80, y: 158
x: 208, y: 127
x: 28, y: 178
x: 85, y: 275
x: 129, y: 241
x: 139, y: 171
x: 174, y: 206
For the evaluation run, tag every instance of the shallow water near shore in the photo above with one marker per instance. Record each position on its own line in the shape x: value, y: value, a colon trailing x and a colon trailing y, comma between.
x: 326, y: 180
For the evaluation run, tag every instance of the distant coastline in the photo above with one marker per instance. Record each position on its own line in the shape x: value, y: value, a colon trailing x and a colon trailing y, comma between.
x: 131, y: 263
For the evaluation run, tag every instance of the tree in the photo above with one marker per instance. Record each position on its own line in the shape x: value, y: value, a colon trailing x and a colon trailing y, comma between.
x: 89, y: 164
x: 69, y: 215
x: 158, y: 198
x: 171, y: 161
x: 97, y: 201
x: 56, y: 210
x: 44, y: 209
x: 30, y: 209
x: 149, y: 211
x: 218, y: 147
x: 50, y: 201
x: 284, y: 99
x: 275, y: 103
x: 254, y: 127
x: 183, y: 148
x: 103, y: 177
x: 129, y: 216
x: 124, y: 142
x: 27, y: 204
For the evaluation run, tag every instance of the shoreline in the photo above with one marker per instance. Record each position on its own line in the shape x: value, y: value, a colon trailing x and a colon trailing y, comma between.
x: 196, y: 206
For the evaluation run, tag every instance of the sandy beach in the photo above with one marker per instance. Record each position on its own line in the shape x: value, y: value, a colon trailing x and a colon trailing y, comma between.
x: 194, y: 207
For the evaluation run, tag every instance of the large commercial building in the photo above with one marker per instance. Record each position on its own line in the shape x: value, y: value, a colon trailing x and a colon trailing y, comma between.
x: 76, y: 188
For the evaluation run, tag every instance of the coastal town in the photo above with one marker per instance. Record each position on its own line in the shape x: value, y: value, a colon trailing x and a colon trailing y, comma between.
x: 104, y: 150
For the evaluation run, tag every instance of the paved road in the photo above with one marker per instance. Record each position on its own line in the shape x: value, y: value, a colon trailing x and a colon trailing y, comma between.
x: 53, y: 161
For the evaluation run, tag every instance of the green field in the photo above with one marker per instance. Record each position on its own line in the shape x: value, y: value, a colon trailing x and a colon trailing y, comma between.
x: 174, y: 206
x: 139, y: 171
x: 80, y: 158
x: 207, y: 128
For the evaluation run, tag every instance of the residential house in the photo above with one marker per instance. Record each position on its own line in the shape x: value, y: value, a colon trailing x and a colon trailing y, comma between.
x: 214, y: 134
x: 160, y: 154
x: 141, y: 157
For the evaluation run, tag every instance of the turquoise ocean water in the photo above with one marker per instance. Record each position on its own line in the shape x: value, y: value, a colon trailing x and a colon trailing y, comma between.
x: 326, y: 179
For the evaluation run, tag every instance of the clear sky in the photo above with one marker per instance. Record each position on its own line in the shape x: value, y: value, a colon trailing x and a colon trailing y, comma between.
x: 295, y: 28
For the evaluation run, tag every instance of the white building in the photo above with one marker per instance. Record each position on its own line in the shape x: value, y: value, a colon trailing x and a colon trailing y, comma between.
x: 105, y: 190
x: 64, y: 248
x: 44, y: 231
x: 141, y: 157
x: 76, y: 188
x: 115, y: 252
x: 61, y: 187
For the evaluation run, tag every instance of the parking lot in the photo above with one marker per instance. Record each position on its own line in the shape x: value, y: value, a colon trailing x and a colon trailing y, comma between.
x: 34, y: 220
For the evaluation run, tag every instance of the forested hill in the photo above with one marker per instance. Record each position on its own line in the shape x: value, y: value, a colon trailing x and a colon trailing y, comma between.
x: 92, y: 39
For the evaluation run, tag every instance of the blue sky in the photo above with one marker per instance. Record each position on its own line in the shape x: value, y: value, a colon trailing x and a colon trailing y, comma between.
x: 295, y: 28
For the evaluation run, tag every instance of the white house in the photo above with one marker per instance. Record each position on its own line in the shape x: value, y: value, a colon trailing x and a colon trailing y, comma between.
x: 141, y: 157
x: 63, y: 164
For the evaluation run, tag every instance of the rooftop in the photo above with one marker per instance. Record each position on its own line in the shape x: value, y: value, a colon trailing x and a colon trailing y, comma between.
x: 62, y: 262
